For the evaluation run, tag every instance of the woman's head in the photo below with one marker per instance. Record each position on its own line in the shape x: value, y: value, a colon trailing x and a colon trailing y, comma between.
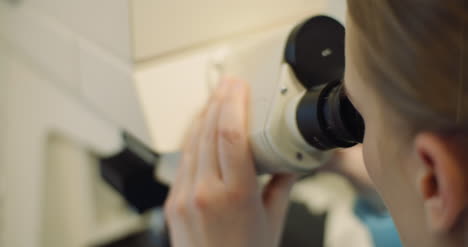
x: 406, y: 74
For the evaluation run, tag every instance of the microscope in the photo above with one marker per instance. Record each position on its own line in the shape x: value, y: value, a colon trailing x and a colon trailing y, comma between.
x: 300, y: 111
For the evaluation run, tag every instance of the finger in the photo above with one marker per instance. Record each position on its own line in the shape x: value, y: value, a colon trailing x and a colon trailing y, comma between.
x: 190, y: 155
x: 236, y: 164
x: 208, y: 165
x: 276, y: 194
x: 186, y: 170
x: 191, y: 130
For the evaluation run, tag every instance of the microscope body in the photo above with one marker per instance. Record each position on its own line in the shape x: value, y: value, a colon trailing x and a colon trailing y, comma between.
x: 298, y: 109
x: 275, y: 140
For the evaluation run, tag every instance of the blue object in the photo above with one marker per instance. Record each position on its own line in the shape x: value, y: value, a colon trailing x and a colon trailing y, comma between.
x: 379, y: 222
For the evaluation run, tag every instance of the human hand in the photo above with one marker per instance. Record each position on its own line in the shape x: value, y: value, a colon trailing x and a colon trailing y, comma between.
x: 216, y: 199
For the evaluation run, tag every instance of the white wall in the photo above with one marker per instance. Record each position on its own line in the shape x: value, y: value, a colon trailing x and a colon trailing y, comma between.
x: 160, y: 27
x: 337, y: 9
x: 3, y: 94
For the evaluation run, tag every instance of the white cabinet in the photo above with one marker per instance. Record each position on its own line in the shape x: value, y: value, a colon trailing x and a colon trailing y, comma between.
x: 80, y: 67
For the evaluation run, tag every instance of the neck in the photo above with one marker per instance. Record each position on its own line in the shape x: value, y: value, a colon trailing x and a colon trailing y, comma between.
x: 459, y: 235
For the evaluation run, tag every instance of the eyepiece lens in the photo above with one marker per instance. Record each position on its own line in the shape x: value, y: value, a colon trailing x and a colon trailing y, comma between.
x: 327, y: 119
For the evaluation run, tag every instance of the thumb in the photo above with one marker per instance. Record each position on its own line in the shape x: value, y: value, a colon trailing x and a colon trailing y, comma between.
x: 276, y: 194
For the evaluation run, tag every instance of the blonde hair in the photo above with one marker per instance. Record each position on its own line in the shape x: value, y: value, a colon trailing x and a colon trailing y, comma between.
x: 413, y: 53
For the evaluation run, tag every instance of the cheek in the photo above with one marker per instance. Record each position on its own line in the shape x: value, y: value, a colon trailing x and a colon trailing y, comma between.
x: 382, y: 159
x: 370, y: 158
x: 373, y: 158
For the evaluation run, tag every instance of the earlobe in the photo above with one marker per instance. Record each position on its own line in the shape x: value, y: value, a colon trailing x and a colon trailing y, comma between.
x: 441, y: 180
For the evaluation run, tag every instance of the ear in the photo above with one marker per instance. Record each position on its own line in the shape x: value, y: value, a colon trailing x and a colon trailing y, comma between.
x: 441, y: 179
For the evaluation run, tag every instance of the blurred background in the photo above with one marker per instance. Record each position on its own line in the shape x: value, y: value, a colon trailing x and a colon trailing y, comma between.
x: 76, y: 74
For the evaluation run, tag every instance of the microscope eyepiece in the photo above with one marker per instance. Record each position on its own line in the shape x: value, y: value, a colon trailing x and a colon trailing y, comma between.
x: 341, y: 118
x: 315, y: 51
x: 327, y: 119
